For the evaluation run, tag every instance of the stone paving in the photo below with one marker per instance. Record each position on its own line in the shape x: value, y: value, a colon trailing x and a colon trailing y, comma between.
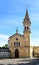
x: 13, y: 61
x: 22, y: 61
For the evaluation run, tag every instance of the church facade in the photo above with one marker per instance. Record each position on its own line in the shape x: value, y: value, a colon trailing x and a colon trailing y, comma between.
x: 19, y: 45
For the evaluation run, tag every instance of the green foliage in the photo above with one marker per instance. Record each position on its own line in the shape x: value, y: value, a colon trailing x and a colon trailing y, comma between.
x: 5, y: 46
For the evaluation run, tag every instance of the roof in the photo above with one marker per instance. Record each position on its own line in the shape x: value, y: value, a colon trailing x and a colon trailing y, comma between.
x: 16, y: 34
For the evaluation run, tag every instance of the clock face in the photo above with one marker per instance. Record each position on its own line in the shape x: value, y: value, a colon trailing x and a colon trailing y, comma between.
x: 26, y: 39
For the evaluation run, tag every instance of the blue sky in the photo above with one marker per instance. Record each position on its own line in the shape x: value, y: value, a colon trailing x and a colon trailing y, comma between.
x: 12, y: 13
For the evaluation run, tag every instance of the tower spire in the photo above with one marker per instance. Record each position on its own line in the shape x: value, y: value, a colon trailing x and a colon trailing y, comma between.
x: 26, y: 22
x: 27, y: 19
x: 26, y: 13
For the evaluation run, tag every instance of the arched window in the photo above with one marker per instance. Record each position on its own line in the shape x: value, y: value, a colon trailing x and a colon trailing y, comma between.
x: 27, y: 28
x: 16, y: 43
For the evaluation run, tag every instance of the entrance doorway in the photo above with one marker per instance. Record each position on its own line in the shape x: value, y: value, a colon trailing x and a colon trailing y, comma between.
x: 16, y: 53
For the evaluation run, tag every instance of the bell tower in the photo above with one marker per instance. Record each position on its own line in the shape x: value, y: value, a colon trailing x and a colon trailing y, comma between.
x: 26, y: 32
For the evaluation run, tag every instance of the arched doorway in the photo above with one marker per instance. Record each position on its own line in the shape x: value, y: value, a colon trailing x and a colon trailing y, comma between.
x: 16, y: 53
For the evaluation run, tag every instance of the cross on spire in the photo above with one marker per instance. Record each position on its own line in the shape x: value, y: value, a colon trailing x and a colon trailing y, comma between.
x: 17, y: 30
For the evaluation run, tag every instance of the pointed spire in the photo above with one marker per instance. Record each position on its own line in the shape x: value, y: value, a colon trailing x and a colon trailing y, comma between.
x: 26, y: 13
x: 27, y: 17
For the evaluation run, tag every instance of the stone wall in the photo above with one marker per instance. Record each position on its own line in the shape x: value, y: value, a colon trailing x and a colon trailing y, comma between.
x: 4, y: 53
x: 36, y: 51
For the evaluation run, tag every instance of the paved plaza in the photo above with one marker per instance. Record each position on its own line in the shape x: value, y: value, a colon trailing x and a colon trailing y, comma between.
x: 22, y: 61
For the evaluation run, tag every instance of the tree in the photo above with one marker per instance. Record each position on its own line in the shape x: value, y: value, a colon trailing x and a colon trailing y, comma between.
x: 5, y: 46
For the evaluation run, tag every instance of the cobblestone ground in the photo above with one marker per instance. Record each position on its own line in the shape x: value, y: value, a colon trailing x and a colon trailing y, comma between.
x: 22, y: 61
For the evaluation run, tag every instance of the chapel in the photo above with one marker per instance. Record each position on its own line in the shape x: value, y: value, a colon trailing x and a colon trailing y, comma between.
x: 19, y: 44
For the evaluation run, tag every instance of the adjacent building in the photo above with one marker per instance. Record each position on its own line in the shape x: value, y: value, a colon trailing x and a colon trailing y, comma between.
x: 4, y: 52
x: 35, y: 51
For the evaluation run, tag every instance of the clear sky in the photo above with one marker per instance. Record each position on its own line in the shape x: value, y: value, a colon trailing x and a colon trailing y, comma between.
x: 12, y: 13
